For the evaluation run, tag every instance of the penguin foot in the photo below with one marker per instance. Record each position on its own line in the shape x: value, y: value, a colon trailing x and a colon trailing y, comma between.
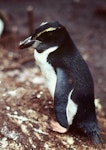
x: 55, y: 126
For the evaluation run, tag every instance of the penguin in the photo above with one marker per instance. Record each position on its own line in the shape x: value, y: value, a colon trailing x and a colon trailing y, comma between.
x: 1, y: 27
x: 68, y: 79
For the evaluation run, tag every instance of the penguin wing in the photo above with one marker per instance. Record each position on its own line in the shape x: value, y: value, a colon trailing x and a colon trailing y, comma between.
x: 62, y: 90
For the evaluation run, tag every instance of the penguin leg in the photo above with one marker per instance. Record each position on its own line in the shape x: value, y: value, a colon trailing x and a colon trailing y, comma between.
x: 63, y: 88
x: 55, y: 126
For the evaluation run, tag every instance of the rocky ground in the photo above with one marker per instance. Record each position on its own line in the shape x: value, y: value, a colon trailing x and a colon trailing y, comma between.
x: 26, y: 106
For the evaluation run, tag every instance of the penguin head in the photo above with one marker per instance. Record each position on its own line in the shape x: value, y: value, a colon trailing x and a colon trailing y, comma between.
x: 48, y: 35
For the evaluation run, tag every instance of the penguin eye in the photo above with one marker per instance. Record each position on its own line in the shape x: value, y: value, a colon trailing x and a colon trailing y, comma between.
x: 45, y: 36
x: 50, y: 34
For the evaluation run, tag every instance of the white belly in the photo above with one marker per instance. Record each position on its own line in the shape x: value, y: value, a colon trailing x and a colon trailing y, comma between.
x: 71, y: 109
x: 47, y: 71
x: 50, y: 77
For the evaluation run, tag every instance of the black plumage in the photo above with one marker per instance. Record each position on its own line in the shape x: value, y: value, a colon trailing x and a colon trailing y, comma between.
x: 73, y: 75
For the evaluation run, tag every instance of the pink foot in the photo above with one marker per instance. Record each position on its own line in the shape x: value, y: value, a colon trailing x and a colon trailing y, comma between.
x: 55, y: 126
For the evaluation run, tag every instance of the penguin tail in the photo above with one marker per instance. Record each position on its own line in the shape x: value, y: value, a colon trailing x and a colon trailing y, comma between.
x: 95, y: 138
x: 91, y: 130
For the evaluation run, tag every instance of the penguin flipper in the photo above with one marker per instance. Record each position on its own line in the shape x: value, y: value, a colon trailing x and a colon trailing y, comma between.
x: 63, y: 88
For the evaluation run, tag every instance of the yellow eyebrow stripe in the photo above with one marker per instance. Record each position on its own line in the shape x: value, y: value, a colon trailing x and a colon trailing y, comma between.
x: 46, y: 30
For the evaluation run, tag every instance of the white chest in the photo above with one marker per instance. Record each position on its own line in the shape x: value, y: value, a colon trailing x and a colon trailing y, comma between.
x: 47, y: 71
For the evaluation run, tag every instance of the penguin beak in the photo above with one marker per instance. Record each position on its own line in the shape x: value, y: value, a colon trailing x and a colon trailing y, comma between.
x: 28, y: 42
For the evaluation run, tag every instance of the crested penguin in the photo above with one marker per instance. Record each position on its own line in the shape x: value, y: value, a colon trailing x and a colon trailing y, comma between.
x: 67, y: 77
x: 1, y: 27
